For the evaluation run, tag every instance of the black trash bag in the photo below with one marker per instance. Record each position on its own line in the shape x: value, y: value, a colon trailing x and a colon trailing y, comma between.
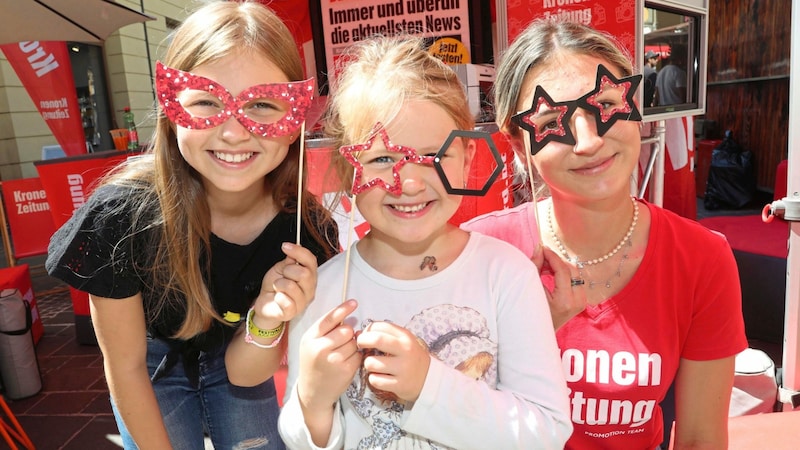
x: 731, y: 182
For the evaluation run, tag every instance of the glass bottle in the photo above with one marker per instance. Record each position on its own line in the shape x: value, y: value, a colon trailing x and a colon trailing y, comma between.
x: 130, y: 124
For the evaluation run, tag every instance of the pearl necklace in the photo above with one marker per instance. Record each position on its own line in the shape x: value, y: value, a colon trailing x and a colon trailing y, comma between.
x: 625, y: 239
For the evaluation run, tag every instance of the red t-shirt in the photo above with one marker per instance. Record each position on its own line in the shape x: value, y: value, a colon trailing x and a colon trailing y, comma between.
x: 620, y: 357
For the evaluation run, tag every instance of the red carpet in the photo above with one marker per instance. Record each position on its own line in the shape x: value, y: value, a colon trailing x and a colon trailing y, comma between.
x: 750, y: 234
x: 760, y: 250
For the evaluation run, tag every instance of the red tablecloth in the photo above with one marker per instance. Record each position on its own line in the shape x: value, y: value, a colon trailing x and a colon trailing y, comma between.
x: 774, y: 431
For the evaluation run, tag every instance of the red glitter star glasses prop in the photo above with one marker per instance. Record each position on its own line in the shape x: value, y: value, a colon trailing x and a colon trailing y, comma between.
x: 198, y: 103
x: 609, y: 101
x: 380, y: 166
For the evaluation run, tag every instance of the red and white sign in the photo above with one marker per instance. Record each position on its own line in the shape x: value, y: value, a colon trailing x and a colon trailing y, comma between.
x: 45, y: 71
x: 616, y: 17
x: 446, y: 22
x: 28, y: 215
x: 69, y: 181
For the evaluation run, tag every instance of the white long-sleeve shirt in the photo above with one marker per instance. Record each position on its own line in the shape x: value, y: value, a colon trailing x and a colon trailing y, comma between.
x: 495, y: 379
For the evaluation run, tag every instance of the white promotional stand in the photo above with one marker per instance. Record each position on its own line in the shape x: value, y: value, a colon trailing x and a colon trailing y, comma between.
x: 789, y: 207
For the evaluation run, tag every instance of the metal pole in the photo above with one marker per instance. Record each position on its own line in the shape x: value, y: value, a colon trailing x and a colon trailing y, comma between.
x: 147, y: 48
x: 654, y: 172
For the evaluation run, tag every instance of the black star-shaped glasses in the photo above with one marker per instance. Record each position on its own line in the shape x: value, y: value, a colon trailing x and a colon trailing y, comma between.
x: 610, y: 100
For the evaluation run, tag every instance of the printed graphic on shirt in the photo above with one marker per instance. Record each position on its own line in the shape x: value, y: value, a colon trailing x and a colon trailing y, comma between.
x: 456, y: 335
x: 611, y: 389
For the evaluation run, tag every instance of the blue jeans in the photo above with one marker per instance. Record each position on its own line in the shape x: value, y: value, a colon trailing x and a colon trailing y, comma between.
x: 235, y: 418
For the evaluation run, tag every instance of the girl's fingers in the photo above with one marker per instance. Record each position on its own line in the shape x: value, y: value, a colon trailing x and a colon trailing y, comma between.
x: 333, y: 318
x: 299, y: 254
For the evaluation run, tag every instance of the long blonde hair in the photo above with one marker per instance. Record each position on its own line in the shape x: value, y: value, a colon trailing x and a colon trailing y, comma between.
x: 169, y: 194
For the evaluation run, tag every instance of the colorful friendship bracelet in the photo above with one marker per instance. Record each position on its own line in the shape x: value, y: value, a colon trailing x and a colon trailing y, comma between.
x: 252, y: 330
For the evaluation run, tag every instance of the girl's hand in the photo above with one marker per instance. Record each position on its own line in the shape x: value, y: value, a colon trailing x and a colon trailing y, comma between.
x: 566, y: 301
x: 287, y: 288
x: 329, y: 359
x: 395, y: 359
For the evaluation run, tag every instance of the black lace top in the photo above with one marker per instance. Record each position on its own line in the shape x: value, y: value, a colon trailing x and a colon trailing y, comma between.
x: 102, y: 255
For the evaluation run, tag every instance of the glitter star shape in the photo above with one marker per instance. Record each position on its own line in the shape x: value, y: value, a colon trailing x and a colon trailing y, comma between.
x: 349, y: 153
x: 562, y: 133
x: 605, y: 119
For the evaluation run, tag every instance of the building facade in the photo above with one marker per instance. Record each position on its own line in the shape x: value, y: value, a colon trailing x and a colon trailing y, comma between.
x: 107, y: 79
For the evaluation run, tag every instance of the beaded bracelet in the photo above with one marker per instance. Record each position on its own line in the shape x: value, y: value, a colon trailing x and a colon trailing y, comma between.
x: 251, y: 329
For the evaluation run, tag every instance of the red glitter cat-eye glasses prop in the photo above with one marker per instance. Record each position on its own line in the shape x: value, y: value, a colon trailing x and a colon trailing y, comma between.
x: 266, y: 110
x: 609, y: 101
x: 380, y: 167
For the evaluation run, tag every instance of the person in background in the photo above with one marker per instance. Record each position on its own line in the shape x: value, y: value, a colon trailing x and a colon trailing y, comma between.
x: 192, y: 245
x: 650, y: 76
x: 671, y: 79
x: 446, y: 341
x: 657, y: 299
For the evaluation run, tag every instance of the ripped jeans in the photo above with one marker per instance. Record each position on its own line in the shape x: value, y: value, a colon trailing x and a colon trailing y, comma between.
x: 235, y: 418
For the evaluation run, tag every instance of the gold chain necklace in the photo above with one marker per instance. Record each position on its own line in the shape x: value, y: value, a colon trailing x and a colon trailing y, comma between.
x: 625, y: 241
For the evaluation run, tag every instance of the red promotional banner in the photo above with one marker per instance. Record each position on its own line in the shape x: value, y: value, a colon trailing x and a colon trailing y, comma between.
x: 680, y: 194
x: 45, y: 71
x: 297, y: 17
x: 616, y: 17
x: 69, y: 181
x: 28, y: 215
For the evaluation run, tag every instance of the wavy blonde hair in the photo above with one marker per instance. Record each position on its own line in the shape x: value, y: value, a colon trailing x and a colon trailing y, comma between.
x: 169, y: 195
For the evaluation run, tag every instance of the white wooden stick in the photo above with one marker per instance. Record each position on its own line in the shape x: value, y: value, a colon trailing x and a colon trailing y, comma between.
x: 529, y: 164
x: 350, y: 232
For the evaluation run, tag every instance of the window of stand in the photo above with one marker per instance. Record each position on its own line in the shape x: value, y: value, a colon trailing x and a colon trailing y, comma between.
x: 88, y: 71
x: 676, y: 38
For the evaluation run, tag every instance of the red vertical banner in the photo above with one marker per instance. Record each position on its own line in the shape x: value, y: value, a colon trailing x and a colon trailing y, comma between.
x: 680, y: 193
x: 69, y: 182
x: 297, y: 17
x: 45, y: 71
